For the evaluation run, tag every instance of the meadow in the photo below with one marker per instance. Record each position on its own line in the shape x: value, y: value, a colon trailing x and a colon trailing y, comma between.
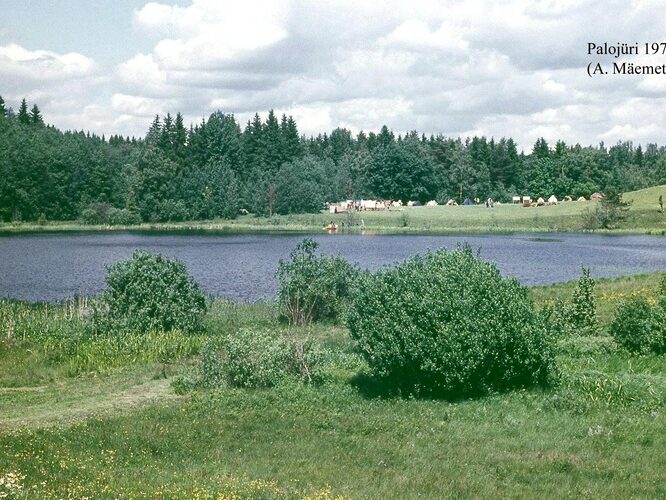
x: 643, y: 217
x: 90, y: 416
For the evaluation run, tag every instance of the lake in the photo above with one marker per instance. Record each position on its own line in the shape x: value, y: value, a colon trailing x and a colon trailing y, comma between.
x: 51, y: 267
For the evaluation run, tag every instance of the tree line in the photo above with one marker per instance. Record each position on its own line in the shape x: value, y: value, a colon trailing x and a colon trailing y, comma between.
x: 216, y: 168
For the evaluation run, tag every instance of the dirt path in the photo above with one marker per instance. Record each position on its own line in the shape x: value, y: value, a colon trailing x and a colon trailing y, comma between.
x: 78, y: 401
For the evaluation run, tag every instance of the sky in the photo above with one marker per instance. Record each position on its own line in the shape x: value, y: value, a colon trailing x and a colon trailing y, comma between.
x: 515, y: 68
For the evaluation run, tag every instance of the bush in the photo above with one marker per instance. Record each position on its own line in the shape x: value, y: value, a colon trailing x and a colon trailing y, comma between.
x: 313, y: 287
x: 96, y: 213
x: 449, y: 324
x: 170, y: 211
x: 640, y: 327
x: 123, y: 217
x: 89, y: 216
x: 581, y: 314
x: 149, y: 292
x: 257, y: 358
x: 609, y: 212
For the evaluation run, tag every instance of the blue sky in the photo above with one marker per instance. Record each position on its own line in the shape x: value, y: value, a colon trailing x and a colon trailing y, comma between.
x: 514, y: 68
x: 99, y: 29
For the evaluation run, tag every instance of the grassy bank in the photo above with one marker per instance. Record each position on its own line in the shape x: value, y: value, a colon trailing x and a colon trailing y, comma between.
x: 643, y: 217
x: 93, y: 418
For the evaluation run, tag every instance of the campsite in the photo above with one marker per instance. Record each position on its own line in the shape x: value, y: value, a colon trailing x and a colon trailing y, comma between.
x: 643, y: 216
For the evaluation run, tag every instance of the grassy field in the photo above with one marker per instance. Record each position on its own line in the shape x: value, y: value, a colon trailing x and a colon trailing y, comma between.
x: 87, y: 417
x: 642, y: 217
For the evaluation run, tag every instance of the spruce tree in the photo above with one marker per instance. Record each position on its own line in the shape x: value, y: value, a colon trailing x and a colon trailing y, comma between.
x: 253, y: 144
x: 541, y: 149
x: 166, y: 139
x: 36, y: 116
x: 23, y: 115
x: 154, y: 132
x: 385, y: 137
x: 291, y: 143
x: 180, y: 137
x: 272, y: 150
x: 3, y: 109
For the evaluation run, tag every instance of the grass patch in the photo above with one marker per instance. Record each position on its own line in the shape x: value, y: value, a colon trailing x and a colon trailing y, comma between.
x: 608, y: 292
x: 297, y: 441
x: 117, y: 429
x: 643, y: 217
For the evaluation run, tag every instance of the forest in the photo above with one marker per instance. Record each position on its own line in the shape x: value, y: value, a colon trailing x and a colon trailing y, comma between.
x: 219, y: 167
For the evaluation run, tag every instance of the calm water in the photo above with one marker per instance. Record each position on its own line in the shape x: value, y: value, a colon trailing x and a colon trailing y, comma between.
x: 53, y: 267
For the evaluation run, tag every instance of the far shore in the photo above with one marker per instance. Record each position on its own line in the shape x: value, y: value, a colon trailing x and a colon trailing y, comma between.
x: 219, y: 228
x: 569, y: 218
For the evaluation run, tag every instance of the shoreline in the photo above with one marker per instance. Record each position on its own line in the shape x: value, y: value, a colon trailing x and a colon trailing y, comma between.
x: 230, y: 228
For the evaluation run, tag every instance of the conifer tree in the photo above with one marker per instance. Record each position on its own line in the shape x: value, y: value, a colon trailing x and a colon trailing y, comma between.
x: 271, y: 143
x: 291, y: 143
x: 3, y: 109
x: 180, y: 137
x: 166, y: 139
x: 154, y: 132
x: 23, y: 115
x: 36, y: 116
x: 541, y: 149
x: 253, y: 145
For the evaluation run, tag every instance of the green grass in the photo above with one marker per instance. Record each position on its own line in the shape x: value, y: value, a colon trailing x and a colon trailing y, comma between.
x: 646, y: 199
x: 608, y: 292
x: 118, y: 429
x: 643, y: 217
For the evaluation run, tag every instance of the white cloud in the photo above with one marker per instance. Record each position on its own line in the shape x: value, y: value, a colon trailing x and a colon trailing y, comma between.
x: 43, y: 65
x: 417, y: 33
x: 512, y: 68
x: 210, y: 32
x: 136, y: 105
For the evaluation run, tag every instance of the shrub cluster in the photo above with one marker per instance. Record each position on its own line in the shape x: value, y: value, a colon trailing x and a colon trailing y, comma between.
x: 103, y: 213
x: 257, y: 358
x: 449, y: 323
x: 313, y: 287
x: 149, y: 292
x: 609, y: 212
x: 640, y: 325
x: 580, y: 315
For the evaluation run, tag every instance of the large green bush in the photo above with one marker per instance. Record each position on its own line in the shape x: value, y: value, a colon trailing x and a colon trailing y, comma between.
x: 313, y: 287
x: 639, y: 326
x: 149, y: 292
x: 449, y: 323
